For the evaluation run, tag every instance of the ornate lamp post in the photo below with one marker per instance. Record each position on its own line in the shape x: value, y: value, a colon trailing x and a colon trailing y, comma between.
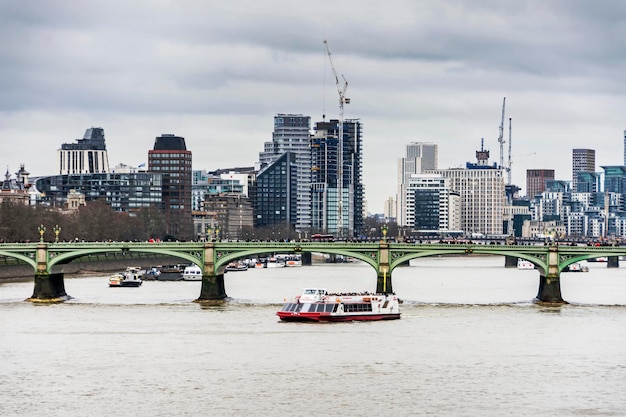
x: 42, y: 230
x: 57, y: 230
x: 217, y: 233
x: 208, y: 232
x: 384, y: 229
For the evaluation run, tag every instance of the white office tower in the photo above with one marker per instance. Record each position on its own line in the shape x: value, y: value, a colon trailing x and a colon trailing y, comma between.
x: 87, y: 156
x: 482, y: 195
x: 431, y: 206
x: 420, y: 156
x: 292, y: 134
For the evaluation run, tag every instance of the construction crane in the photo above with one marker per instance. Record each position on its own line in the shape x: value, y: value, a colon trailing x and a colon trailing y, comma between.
x: 342, y: 100
x: 509, y: 164
x: 501, y: 136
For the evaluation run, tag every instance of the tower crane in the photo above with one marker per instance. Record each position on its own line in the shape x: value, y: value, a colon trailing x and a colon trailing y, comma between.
x: 509, y: 164
x: 341, y: 90
x: 501, y: 136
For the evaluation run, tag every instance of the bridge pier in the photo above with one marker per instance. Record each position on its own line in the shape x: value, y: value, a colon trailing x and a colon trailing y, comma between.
x: 49, y: 288
x: 212, y: 288
x: 383, y: 281
x: 510, y: 261
x: 550, y: 280
x: 550, y: 290
x: 612, y: 262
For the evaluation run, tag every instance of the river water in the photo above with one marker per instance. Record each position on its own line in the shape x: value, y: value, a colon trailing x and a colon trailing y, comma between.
x: 470, y: 343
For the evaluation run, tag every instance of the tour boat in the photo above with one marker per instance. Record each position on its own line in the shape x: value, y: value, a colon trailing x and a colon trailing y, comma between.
x: 129, y: 278
x: 524, y: 264
x: 192, y: 273
x: 316, y: 304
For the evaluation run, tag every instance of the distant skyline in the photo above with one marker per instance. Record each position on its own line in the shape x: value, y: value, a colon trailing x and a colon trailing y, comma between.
x: 217, y: 73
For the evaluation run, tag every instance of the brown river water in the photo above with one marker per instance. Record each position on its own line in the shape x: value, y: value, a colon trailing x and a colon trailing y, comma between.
x: 470, y: 342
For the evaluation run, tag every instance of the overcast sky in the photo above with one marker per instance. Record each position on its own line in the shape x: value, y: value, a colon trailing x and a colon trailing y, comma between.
x: 216, y: 73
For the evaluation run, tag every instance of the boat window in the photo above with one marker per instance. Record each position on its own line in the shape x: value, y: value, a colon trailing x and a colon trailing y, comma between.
x: 306, y: 307
x: 330, y: 307
x: 386, y: 304
x: 351, y: 308
x: 335, y: 306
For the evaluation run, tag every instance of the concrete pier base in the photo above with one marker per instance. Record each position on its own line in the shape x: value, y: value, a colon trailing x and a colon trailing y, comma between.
x: 49, y: 288
x: 212, y: 288
x: 510, y: 261
x: 307, y: 259
x: 550, y: 290
x: 383, y: 284
x: 612, y: 262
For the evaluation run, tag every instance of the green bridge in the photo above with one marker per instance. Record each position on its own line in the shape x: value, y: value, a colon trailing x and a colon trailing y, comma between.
x: 213, y: 257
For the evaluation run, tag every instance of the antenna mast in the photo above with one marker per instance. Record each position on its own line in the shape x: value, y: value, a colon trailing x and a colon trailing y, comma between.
x: 341, y: 90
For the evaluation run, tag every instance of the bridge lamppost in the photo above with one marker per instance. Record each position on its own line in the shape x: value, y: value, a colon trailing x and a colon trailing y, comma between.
x: 217, y: 233
x: 384, y: 229
x: 57, y: 230
x: 208, y: 233
x: 42, y: 230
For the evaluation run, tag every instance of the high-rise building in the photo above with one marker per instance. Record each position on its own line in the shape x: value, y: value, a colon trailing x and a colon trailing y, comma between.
x: 615, y: 179
x: 432, y: 207
x: 536, y: 181
x: 483, y: 194
x: 583, y: 160
x: 172, y: 160
x: 420, y: 156
x: 292, y: 134
x: 274, y: 193
x: 123, y: 191
x: 624, y: 147
x: 337, y: 195
x: 87, y: 156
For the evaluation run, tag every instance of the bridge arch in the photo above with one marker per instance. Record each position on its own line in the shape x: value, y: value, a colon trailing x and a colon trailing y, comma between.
x: 30, y: 260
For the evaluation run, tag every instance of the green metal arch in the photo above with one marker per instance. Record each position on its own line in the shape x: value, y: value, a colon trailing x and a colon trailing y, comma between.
x: 66, y: 257
x: 30, y: 261
x: 462, y: 249
x: 222, y: 261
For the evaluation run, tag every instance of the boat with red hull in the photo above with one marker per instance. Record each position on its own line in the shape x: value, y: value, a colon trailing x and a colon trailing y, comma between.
x: 316, y: 304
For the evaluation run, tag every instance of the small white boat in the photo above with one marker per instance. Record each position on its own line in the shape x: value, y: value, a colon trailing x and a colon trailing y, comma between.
x: 577, y: 267
x: 192, y: 273
x: 129, y: 278
x: 524, y: 264
x: 274, y: 263
x: 293, y: 260
x: 151, y: 274
x: 316, y: 304
x: 236, y: 266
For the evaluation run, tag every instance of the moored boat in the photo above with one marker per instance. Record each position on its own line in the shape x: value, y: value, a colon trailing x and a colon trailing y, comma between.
x: 524, y: 264
x: 192, y: 273
x: 236, y: 266
x: 129, y: 278
x: 577, y: 267
x: 316, y: 304
x: 274, y: 263
x: 600, y: 259
x: 151, y: 274
x: 171, y: 273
